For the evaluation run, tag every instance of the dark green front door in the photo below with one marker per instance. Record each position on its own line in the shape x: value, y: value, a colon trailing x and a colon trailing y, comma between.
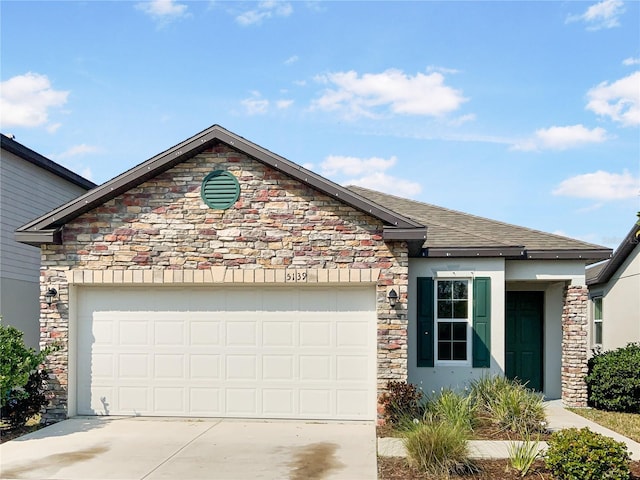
x: 524, y: 337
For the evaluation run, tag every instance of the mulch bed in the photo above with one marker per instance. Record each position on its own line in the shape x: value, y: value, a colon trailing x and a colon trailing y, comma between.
x: 7, y: 433
x: 395, y: 468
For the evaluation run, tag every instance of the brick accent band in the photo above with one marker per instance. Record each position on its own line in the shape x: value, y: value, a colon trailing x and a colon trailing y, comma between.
x: 217, y: 275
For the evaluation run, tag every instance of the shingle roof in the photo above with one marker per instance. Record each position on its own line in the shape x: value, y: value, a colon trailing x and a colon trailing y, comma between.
x: 451, y: 230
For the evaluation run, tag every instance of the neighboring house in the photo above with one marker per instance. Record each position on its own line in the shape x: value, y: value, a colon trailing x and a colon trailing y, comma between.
x: 614, y: 294
x: 30, y: 185
x: 220, y: 279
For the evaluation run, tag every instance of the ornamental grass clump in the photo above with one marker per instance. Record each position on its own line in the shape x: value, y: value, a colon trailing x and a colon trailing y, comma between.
x: 452, y: 407
x: 438, y: 448
x: 585, y: 455
x: 508, y: 405
x: 523, y: 454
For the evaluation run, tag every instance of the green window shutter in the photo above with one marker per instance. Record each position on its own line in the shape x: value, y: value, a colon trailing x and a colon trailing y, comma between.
x: 482, y: 322
x: 425, y: 322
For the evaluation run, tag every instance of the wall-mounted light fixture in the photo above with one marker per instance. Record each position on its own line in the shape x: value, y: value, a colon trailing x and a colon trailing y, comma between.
x: 392, y: 296
x: 50, y: 295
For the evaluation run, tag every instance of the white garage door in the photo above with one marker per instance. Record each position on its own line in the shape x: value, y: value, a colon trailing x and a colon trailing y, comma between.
x: 229, y: 352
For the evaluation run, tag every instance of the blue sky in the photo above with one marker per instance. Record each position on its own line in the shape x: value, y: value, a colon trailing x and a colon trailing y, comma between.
x: 524, y: 112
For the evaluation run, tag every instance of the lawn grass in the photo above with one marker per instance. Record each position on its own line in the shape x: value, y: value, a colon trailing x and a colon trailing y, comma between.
x: 627, y: 424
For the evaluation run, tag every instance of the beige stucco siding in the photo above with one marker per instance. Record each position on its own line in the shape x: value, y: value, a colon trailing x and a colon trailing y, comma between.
x: 620, y: 304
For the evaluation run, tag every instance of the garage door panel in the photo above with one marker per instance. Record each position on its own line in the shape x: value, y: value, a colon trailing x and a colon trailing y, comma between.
x: 205, y: 401
x: 169, y: 366
x: 205, y: 367
x: 160, y: 352
x: 278, y: 402
x: 315, y: 334
x: 169, y: 333
x: 134, y: 366
x: 352, y: 334
x: 278, y: 367
x: 241, y: 367
x: 205, y: 333
x: 133, y: 400
x: 241, y: 333
x: 241, y: 401
x: 133, y: 332
x: 278, y: 334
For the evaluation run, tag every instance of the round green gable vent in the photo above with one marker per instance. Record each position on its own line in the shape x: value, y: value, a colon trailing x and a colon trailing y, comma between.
x: 220, y: 190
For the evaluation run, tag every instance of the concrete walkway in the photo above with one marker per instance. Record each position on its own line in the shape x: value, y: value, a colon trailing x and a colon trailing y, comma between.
x: 558, y: 418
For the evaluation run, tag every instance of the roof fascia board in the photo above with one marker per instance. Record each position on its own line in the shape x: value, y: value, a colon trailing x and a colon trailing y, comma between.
x: 444, y: 252
x: 392, y: 233
x: 40, y: 237
x: 43, y: 162
x: 192, y: 146
x: 619, y: 256
x: 586, y: 254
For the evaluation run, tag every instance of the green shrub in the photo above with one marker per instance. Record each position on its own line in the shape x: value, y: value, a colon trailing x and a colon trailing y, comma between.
x: 452, y: 407
x: 585, y: 455
x: 17, y: 363
x: 24, y: 403
x: 437, y: 448
x: 401, y: 403
x: 613, y: 382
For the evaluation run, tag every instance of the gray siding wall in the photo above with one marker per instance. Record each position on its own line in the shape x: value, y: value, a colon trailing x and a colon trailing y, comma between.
x: 26, y: 192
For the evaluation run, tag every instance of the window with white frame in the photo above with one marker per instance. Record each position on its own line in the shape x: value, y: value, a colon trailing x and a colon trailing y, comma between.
x: 597, y: 321
x: 453, y: 321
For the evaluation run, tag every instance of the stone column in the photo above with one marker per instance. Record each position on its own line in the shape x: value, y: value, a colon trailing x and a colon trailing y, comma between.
x: 574, y: 346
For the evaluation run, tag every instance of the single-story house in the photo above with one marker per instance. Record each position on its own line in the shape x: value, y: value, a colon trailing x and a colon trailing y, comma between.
x: 614, y: 294
x: 30, y: 185
x: 220, y: 279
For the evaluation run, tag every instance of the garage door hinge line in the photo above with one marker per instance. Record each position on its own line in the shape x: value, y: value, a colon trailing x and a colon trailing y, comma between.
x: 181, y: 449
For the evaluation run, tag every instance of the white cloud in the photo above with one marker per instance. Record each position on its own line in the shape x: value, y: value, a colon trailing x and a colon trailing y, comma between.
x: 631, y: 61
x: 291, y: 60
x: 336, y: 164
x: 255, y: 105
x: 283, y: 104
x: 366, y: 95
x: 386, y: 183
x: 265, y: 10
x: 600, y: 186
x: 369, y: 173
x: 601, y: 15
x: 562, y: 138
x: 619, y: 100
x: 163, y: 11
x: 25, y: 101
x: 76, y: 150
x: 462, y: 119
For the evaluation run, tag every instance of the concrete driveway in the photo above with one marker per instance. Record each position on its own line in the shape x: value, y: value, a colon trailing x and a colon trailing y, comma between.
x: 84, y: 448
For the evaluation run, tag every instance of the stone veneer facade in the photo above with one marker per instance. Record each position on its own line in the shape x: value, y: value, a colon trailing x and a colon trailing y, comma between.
x: 574, y: 346
x: 162, y: 232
